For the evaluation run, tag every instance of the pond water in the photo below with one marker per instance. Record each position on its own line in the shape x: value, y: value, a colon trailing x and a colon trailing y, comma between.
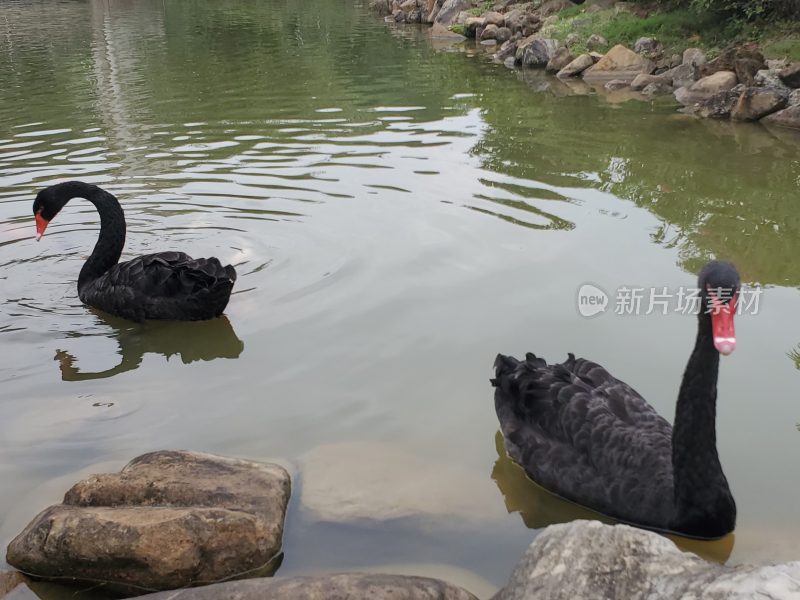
x: 398, y: 212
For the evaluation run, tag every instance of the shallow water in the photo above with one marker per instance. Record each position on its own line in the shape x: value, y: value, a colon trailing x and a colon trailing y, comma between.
x: 398, y: 213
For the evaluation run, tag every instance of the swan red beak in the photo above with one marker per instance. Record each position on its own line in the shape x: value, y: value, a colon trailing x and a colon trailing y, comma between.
x: 722, y: 324
x: 41, y: 225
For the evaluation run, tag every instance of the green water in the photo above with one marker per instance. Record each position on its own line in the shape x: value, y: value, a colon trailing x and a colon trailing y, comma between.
x: 398, y: 211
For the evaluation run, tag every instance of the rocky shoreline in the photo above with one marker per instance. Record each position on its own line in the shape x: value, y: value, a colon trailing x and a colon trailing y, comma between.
x: 739, y: 83
x: 200, y: 526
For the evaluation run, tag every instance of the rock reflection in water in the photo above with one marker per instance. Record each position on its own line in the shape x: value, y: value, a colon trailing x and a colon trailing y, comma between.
x: 539, y: 508
x: 191, y: 340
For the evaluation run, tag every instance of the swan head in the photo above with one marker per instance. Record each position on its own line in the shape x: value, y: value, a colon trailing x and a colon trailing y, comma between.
x: 47, y: 205
x: 719, y: 284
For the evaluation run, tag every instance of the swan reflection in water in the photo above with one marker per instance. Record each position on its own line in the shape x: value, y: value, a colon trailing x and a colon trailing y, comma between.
x: 539, y: 508
x: 191, y: 340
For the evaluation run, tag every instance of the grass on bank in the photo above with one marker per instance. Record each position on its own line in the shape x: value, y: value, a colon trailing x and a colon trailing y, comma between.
x: 677, y: 29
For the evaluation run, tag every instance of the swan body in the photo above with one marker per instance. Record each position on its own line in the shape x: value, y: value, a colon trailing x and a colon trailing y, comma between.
x: 587, y: 436
x: 166, y: 285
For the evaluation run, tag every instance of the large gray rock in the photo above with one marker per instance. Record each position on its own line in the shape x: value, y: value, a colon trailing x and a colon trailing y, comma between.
x: 788, y: 117
x: 344, y: 586
x: 694, y: 57
x: 727, y: 60
x: 684, y: 75
x: 587, y: 559
x: 539, y: 52
x: 494, y: 18
x: 649, y: 48
x: 449, y: 11
x: 523, y: 22
x: 619, y: 63
x: 704, y: 88
x: 169, y: 519
x: 576, y: 67
x: 642, y: 80
x: 770, y: 78
x: 552, y: 7
x: 720, y: 105
x: 757, y: 102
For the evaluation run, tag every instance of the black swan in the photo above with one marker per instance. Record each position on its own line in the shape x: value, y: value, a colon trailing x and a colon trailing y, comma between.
x: 592, y: 439
x: 167, y: 285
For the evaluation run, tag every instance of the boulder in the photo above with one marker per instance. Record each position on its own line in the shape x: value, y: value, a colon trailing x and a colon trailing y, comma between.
x: 794, y: 98
x: 449, y: 11
x: 494, y: 18
x: 587, y: 559
x: 618, y: 63
x: 769, y: 78
x: 489, y: 32
x: 642, y: 80
x: 507, y: 50
x: 694, y: 57
x: 746, y: 69
x: 552, y: 7
x: 596, y: 41
x: 719, y: 105
x: 790, y: 76
x: 576, y: 67
x: 343, y: 586
x: 616, y: 84
x: 560, y: 59
x: 757, y: 102
x: 472, y: 24
x: 519, y: 21
x: 683, y: 75
x: 657, y: 88
x: 539, y: 52
x: 726, y: 61
x: 503, y: 34
x: 788, y: 117
x: 509, y: 62
x: 169, y: 519
x: 649, y: 48
x: 572, y: 39
x: 408, y: 6
x: 706, y: 87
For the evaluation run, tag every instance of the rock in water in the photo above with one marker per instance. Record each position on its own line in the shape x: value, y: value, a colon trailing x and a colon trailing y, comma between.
x: 757, y: 102
x: 345, y: 586
x: 704, y: 88
x: 576, y: 67
x: 587, y: 559
x: 560, y: 59
x: 618, y: 63
x: 539, y: 52
x: 169, y: 519
x: 788, y: 117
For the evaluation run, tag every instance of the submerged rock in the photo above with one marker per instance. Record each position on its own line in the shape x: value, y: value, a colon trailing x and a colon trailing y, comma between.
x: 169, y: 519
x: 616, y: 84
x: 587, y: 559
x: 619, y: 63
x: 757, y: 102
x: 642, y: 80
x: 345, y: 586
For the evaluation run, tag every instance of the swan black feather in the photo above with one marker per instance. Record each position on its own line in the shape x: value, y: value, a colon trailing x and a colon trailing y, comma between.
x: 166, y: 285
x: 587, y: 436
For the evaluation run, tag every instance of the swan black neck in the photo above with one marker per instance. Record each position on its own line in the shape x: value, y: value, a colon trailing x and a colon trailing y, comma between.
x: 109, y: 244
x: 703, y: 502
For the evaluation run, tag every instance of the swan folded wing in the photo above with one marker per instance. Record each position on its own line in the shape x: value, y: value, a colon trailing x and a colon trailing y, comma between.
x: 584, y: 434
x: 167, y: 285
